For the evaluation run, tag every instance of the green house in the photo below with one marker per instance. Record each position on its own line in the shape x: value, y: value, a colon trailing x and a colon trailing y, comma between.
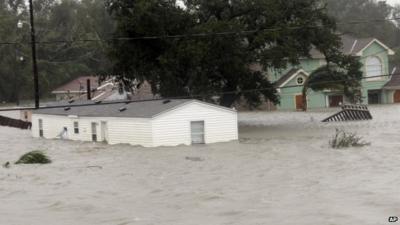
x: 379, y: 86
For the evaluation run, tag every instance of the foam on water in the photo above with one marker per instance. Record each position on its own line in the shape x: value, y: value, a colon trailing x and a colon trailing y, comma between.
x: 280, y: 172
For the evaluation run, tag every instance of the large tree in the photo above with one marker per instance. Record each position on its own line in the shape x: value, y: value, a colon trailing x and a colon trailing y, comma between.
x: 205, y: 48
x: 60, y: 57
x: 341, y: 74
x: 13, y: 70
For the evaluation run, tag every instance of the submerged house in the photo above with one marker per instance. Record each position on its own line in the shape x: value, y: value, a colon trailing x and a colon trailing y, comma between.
x: 378, y: 86
x: 146, y: 123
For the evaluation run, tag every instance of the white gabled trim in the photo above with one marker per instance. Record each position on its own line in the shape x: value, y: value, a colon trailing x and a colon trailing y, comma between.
x: 98, y: 96
x: 104, y: 85
x: 394, y: 70
x: 390, y: 51
x: 66, y: 92
x: 218, y: 107
x: 352, y: 47
x: 293, y: 76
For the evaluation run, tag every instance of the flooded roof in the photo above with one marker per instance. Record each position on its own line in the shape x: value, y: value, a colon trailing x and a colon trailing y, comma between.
x: 138, y: 109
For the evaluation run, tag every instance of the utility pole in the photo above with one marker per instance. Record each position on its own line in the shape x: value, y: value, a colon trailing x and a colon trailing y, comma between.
x: 34, y: 61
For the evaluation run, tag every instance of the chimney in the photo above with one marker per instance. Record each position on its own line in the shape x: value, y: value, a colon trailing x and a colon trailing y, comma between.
x: 89, y: 90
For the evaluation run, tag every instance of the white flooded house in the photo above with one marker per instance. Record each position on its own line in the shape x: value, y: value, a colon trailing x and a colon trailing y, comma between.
x: 146, y: 123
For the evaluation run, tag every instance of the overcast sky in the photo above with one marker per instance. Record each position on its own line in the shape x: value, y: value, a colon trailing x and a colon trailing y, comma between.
x: 393, y: 2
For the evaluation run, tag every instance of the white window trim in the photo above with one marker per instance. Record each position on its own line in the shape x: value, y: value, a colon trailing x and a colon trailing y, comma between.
x: 301, y: 76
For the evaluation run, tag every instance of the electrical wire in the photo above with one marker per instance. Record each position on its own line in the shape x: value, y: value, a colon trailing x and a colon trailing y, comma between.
x: 226, y: 33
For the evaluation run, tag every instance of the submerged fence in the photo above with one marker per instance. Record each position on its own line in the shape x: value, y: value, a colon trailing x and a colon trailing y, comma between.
x: 350, y: 113
x: 9, y: 122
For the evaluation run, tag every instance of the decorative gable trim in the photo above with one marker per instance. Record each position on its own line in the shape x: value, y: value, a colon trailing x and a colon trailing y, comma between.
x: 390, y: 51
x: 300, y: 71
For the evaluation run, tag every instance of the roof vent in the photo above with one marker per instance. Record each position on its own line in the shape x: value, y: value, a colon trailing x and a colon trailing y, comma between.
x: 71, y: 101
x: 122, y: 109
x: 67, y: 108
x: 166, y: 101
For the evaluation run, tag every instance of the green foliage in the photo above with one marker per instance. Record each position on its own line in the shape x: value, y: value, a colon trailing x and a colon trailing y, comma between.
x: 64, y: 20
x: 34, y: 157
x: 343, y: 74
x: 343, y: 139
x: 217, y: 65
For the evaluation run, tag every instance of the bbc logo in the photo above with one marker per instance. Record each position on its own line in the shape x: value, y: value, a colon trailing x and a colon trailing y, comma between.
x: 393, y: 219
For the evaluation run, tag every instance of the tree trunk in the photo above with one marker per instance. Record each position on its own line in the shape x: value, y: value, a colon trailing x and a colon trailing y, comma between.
x: 304, y: 94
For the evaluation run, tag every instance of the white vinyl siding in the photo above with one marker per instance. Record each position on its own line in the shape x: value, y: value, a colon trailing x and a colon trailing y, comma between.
x: 54, y: 125
x: 134, y: 131
x: 173, y: 128
x: 170, y: 128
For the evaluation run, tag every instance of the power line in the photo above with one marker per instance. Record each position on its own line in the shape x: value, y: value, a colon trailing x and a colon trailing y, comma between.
x: 206, y: 34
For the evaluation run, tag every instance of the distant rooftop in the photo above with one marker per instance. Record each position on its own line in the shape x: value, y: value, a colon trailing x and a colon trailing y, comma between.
x: 350, y: 46
x: 78, y: 85
x: 394, y: 82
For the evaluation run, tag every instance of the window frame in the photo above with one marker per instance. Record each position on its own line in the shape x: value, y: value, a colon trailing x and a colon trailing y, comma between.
x: 94, y: 131
x: 40, y: 126
x: 297, y: 80
x: 76, y: 127
x: 202, y: 133
x: 373, y: 74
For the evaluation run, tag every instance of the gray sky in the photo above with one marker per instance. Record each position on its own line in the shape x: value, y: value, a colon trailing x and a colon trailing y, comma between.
x: 393, y: 2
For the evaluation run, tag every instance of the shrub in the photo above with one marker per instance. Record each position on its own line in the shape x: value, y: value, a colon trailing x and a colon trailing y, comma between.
x: 344, y: 139
x: 34, y: 157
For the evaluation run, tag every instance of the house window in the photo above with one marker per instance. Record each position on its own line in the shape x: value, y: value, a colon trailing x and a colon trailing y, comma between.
x: 94, y: 132
x: 40, y: 128
x: 197, y: 132
x: 76, y: 127
x: 300, y: 80
x: 373, y: 67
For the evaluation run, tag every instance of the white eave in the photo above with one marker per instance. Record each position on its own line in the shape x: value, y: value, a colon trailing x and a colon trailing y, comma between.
x: 293, y: 76
x: 66, y: 92
x: 390, y: 51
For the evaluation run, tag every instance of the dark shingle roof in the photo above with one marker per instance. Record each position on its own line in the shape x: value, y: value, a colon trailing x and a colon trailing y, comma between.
x: 78, y: 84
x: 283, y: 79
x: 394, y: 82
x: 140, y: 109
x: 350, y: 46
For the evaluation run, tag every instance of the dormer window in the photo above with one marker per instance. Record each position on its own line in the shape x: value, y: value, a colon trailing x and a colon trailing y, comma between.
x: 373, y: 67
x: 300, y: 80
